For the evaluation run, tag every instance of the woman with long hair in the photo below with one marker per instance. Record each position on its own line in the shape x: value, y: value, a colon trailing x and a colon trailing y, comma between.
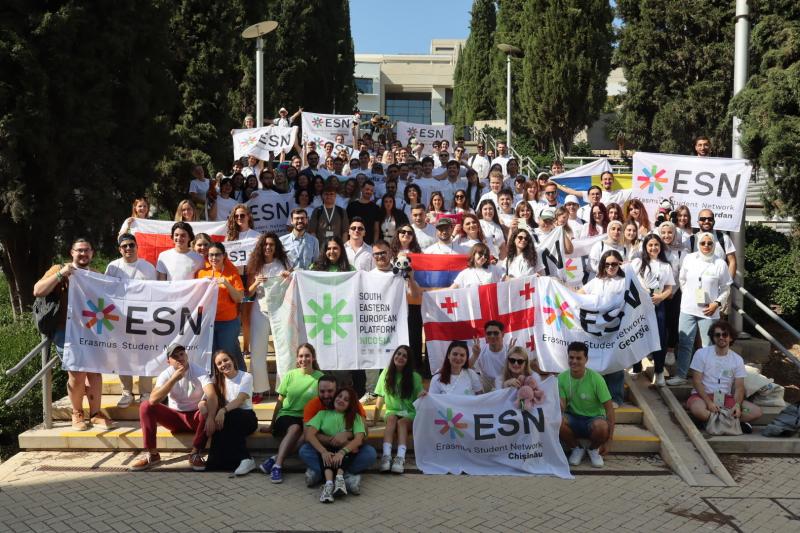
x: 683, y: 226
x: 481, y: 271
x: 614, y: 212
x: 474, y: 188
x: 436, y: 207
x: 405, y: 241
x: 635, y: 210
x: 296, y: 389
x: 234, y: 418
x: 490, y: 224
x: 471, y: 234
x: 522, y: 259
x: 332, y: 257
x: 268, y: 264
x: 317, y: 188
x: 240, y: 226
x: 530, y: 193
x: 140, y: 208
x: 201, y: 243
x: 523, y: 218
x: 390, y: 218
x: 598, y: 221
x: 250, y: 188
x: 516, y: 369
x: 412, y: 195
x: 675, y: 253
x: 460, y: 203
x: 455, y: 376
x: 398, y: 387
x: 630, y: 238
x: 185, y: 212
x: 302, y: 199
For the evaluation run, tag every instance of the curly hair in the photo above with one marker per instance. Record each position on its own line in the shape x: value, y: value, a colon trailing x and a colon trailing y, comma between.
x: 258, y: 258
x: 233, y: 226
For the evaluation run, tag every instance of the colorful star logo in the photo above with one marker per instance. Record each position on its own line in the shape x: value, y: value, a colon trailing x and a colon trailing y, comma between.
x: 411, y: 132
x: 570, y: 268
x: 100, y: 315
x: 317, y: 122
x: 327, y: 319
x: 558, y: 312
x: 249, y: 141
x: 653, y: 178
x: 450, y: 422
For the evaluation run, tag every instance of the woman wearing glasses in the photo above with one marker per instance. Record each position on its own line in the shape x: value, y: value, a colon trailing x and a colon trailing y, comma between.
x: 705, y: 285
x: 481, y: 271
x: 517, y: 368
x: 521, y: 259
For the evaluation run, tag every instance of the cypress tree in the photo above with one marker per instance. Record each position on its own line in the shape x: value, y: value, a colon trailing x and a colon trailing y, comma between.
x: 510, y: 24
x: 678, y: 63
x: 565, y: 68
x: 472, y: 93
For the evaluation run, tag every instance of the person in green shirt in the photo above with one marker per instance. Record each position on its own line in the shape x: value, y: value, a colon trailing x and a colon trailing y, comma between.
x: 335, y: 462
x: 398, y: 387
x: 297, y: 387
x: 587, y: 411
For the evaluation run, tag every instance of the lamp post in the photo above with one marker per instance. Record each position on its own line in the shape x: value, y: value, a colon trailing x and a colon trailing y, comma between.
x: 509, y: 51
x: 740, y: 67
x: 257, y: 32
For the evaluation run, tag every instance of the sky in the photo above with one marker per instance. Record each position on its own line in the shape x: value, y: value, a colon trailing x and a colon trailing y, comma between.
x: 406, y: 26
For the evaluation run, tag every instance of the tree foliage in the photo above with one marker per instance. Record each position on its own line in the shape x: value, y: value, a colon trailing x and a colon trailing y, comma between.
x: 769, y: 106
x: 510, y: 28
x: 678, y: 63
x: 567, y: 61
x: 472, y: 94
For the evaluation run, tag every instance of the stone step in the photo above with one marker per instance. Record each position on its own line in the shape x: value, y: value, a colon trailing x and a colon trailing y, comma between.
x: 755, y: 443
x: 682, y: 393
x: 62, y: 410
x: 627, y: 439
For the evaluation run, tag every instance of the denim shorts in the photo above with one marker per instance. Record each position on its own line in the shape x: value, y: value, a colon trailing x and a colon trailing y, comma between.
x: 581, y: 425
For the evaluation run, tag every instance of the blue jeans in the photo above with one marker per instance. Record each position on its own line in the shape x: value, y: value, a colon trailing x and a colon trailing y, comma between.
x: 226, y: 337
x: 688, y: 325
x: 58, y: 340
x: 616, y: 386
x: 363, y: 459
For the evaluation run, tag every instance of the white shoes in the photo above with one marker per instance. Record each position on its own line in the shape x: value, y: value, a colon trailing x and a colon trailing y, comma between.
x: 245, y: 467
x: 144, y: 397
x: 658, y: 380
x: 368, y: 399
x: 386, y: 463
x: 596, y: 458
x: 669, y: 359
x: 576, y: 456
x: 398, y: 465
x: 326, y: 494
x: 677, y: 380
x: 125, y: 400
x: 339, y: 487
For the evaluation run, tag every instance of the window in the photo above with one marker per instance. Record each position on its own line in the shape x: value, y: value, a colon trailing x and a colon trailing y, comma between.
x: 364, y: 85
x: 409, y: 107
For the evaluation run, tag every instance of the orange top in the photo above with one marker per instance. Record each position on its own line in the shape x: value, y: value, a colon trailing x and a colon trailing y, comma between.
x: 227, y: 309
x: 314, y: 406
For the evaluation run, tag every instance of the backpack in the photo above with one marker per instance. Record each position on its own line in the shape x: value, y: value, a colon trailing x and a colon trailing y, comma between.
x: 45, y: 313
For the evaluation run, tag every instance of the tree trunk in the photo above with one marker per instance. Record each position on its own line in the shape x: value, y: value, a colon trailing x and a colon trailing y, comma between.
x: 21, y: 265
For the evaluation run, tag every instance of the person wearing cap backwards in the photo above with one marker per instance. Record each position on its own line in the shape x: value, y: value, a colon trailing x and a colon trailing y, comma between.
x: 444, y: 238
x: 129, y: 266
x: 184, y: 385
x: 282, y: 120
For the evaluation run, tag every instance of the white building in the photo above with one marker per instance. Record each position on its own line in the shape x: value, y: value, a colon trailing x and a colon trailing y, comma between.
x: 408, y: 87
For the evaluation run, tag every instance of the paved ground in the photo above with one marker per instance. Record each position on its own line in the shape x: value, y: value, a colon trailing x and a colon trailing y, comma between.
x: 50, y: 491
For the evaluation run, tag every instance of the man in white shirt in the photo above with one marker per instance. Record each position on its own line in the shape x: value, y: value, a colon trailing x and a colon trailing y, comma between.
x: 444, y: 238
x: 480, y: 162
x: 593, y: 196
x: 495, y: 186
x: 426, y: 233
x: 181, y: 262
x: 253, y: 168
x: 451, y: 184
x: 501, y: 158
x: 129, y: 266
x: 490, y: 360
x: 282, y: 119
x: 184, y: 385
x: 301, y: 247
x: 359, y: 253
x: 198, y: 190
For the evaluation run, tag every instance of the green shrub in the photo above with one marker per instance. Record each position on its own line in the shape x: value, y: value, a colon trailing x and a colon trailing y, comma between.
x: 772, y: 261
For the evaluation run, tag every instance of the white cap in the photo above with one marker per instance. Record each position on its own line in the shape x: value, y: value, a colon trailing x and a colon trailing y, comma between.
x: 571, y: 199
x: 283, y: 109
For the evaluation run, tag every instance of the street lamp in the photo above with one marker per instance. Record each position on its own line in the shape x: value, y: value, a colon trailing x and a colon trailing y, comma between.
x: 509, y: 51
x: 257, y: 31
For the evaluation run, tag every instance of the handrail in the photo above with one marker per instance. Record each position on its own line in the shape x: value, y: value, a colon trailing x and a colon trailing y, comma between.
x: 767, y: 335
x: 24, y: 361
x: 44, y: 374
x: 527, y: 166
x: 770, y: 313
x: 28, y: 386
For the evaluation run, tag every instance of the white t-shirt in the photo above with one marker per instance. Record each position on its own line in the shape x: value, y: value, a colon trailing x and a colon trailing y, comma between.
x: 620, y: 196
x: 361, y: 259
x: 463, y: 245
x: 501, y: 160
x: 519, y: 267
x: 249, y: 234
x: 201, y: 189
x: 605, y: 286
x: 498, y: 381
x: 188, y: 391
x: 491, y: 195
x: 656, y: 276
x: 471, y: 277
x: 139, y: 269
x: 719, y: 371
x: 241, y: 382
x: 493, y: 234
x: 490, y: 364
x: 481, y: 164
x: 440, y: 248
x: 467, y: 383
x: 505, y: 218
x: 179, y: 266
x: 601, y: 247
x: 224, y: 207
x: 426, y: 236
x: 713, y: 278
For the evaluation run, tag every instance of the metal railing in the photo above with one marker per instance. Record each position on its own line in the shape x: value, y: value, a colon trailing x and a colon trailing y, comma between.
x: 45, y: 374
x: 527, y: 166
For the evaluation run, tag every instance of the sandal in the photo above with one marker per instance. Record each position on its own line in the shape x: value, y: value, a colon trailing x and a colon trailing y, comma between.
x: 79, y: 421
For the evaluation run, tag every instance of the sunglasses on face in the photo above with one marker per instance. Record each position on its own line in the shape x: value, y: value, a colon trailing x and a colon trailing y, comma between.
x: 240, y: 215
x: 128, y: 245
x: 705, y: 219
x: 721, y: 334
x: 379, y: 254
x: 357, y: 228
x: 492, y: 333
x: 612, y: 265
x: 515, y: 361
x: 404, y: 232
x: 706, y: 243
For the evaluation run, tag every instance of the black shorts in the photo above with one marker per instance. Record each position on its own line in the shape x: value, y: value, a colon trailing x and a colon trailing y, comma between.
x: 283, y: 423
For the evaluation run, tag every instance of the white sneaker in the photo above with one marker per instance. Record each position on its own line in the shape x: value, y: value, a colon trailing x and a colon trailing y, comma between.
x: 353, y: 483
x: 245, y: 467
x: 125, y: 400
x: 386, y: 463
x: 339, y: 487
x: 398, y: 465
x: 677, y: 380
x: 144, y: 397
x: 576, y: 456
x: 368, y: 399
x: 669, y: 359
x: 596, y: 458
x: 326, y: 494
x: 658, y: 380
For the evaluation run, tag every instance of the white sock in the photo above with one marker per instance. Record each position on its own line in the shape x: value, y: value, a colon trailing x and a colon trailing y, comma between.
x: 387, y: 448
x: 401, y: 451
x: 329, y: 482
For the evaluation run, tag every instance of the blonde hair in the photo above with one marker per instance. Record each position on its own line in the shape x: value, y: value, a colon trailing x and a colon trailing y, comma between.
x: 181, y: 205
x: 526, y: 368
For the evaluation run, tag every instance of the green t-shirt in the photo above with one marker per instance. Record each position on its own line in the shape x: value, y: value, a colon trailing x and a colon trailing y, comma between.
x: 330, y: 422
x: 584, y: 396
x: 297, y: 388
x: 395, y: 405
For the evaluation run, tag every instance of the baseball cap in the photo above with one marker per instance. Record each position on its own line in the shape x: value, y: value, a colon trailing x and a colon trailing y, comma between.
x: 444, y: 221
x: 571, y: 199
x: 547, y: 214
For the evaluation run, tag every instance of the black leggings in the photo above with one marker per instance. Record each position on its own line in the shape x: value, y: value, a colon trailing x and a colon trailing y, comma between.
x: 229, y: 445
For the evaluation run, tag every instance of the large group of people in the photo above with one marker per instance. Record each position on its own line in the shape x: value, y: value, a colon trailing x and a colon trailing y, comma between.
x: 361, y: 213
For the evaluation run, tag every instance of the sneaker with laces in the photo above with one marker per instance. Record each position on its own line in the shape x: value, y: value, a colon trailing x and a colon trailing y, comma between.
x: 596, y: 458
x: 326, y: 494
x: 658, y: 380
x: 386, y: 463
x: 79, y: 421
x: 669, y: 359
x: 276, y: 474
x: 197, y: 462
x: 576, y: 456
x: 368, y: 399
x: 676, y: 381
x: 312, y: 478
x: 267, y: 465
x: 339, y: 487
x: 353, y: 484
x: 144, y: 461
x: 398, y: 465
x: 144, y: 397
x: 102, y: 421
x: 125, y: 399
x: 245, y: 467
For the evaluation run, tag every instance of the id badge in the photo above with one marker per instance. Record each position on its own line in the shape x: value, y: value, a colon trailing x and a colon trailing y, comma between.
x: 719, y: 398
x: 700, y: 296
x: 328, y: 234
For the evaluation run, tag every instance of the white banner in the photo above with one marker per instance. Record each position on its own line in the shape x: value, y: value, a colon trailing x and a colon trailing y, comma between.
x: 577, y: 271
x: 619, y: 329
x: 550, y: 252
x: 351, y: 154
x: 117, y: 326
x: 425, y: 134
x: 320, y: 125
x: 270, y: 211
x: 715, y: 183
x: 355, y: 320
x: 489, y: 434
x: 239, y: 251
x: 260, y: 142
